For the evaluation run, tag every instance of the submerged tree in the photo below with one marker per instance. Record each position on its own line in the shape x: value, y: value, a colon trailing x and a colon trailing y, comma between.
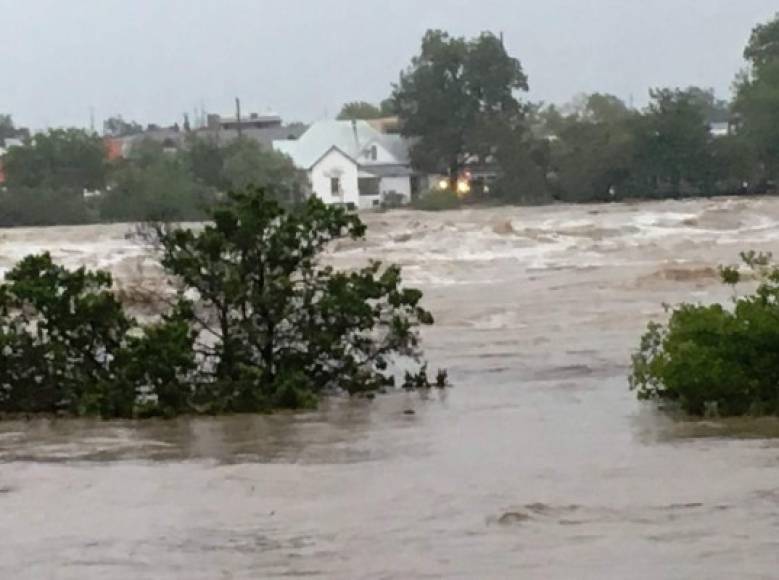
x: 270, y: 327
x: 67, y: 346
x: 280, y: 328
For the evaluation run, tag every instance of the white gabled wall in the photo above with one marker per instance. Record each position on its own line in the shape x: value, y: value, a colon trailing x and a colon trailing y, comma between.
x: 335, y: 164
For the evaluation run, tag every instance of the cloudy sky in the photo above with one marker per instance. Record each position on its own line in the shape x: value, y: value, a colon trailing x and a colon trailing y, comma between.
x: 152, y: 60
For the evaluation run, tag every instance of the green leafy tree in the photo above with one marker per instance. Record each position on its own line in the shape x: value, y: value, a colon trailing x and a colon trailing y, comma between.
x: 154, y: 185
x: 763, y: 48
x: 205, y: 158
x: 68, y: 347
x: 59, y: 158
x: 524, y: 161
x: 672, y: 140
x: 9, y: 131
x: 453, y: 94
x: 279, y: 328
x: 715, y: 110
x: 44, y: 206
x: 247, y: 163
x: 757, y: 97
x: 57, y: 330
x: 360, y: 110
x: 592, y: 152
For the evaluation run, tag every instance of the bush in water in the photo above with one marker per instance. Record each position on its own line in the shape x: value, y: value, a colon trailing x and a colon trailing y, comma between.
x: 272, y: 328
x: 713, y: 360
x: 68, y: 347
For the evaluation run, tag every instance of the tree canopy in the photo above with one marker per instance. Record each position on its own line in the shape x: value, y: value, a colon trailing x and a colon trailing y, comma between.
x: 59, y: 158
x: 454, y: 92
x: 672, y: 140
x: 757, y: 97
x: 8, y: 130
x: 361, y: 110
x: 247, y: 163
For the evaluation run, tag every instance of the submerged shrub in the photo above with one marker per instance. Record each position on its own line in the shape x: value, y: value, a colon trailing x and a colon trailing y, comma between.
x: 67, y: 346
x: 712, y: 359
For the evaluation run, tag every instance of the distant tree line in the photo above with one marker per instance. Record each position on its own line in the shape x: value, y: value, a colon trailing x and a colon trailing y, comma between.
x: 62, y: 176
x: 458, y: 102
x: 459, y: 105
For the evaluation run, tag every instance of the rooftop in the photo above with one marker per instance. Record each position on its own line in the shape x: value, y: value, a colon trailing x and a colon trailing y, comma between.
x: 351, y: 137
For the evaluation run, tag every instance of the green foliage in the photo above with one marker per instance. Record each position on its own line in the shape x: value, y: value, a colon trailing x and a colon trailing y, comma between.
x: 58, y: 159
x: 271, y: 327
x: 154, y: 185
x: 524, y: 161
x: 437, y: 200
x: 58, y: 333
x: 24, y: 206
x: 205, y: 158
x: 454, y: 92
x: 282, y: 328
x: 672, y: 143
x: 709, y: 359
x: 763, y: 47
x: 247, y: 163
x: 357, y: 110
x: 757, y: 98
x: 8, y: 130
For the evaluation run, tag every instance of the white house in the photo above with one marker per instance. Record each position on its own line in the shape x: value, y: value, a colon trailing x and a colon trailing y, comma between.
x: 351, y: 162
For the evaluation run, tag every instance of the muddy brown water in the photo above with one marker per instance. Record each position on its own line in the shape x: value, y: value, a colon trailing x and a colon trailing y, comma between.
x: 539, y: 463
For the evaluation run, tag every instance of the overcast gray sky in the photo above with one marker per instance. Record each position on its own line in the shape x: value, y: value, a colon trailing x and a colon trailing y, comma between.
x: 152, y: 60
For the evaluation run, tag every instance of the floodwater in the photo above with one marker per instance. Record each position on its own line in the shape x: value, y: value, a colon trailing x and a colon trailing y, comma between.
x: 539, y: 463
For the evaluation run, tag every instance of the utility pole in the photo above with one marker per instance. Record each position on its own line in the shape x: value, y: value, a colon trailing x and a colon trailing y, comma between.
x: 92, y: 119
x: 238, y: 116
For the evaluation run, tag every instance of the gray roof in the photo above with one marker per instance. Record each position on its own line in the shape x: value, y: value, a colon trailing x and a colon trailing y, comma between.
x: 352, y: 138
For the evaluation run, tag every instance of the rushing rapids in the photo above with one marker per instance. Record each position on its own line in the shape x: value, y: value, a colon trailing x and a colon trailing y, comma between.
x: 538, y: 464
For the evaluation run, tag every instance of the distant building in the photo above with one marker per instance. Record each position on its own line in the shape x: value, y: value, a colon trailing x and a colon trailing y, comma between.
x: 353, y: 163
x: 252, y: 121
x: 5, y: 145
x: 720, y: 129
x: 264, y: 129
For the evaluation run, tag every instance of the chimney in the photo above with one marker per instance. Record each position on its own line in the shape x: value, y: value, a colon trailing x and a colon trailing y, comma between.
x: 356, y: 136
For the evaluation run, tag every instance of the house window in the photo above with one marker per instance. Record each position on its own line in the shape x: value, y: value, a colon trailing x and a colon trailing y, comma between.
x: 374, y: 153
x: 335, y: 186
x: 368, y: 186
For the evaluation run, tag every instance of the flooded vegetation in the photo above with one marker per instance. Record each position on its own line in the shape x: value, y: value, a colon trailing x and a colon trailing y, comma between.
x: 539, y: 463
